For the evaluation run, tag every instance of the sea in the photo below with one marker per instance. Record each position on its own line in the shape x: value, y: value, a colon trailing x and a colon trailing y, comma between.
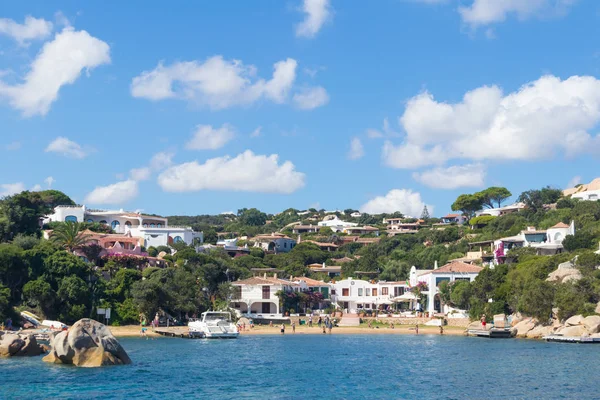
x: 320, y: 367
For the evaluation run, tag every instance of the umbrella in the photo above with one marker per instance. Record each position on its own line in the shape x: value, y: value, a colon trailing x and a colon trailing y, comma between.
x: 408, y: 296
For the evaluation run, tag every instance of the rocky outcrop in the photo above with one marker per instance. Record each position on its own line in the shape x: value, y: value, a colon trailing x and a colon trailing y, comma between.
x: 577, y: 331
x: 87, y: 343
x: 539, y: 332
x: 592, y: 323
x: 566, y: 272
x: 523, y: 327
x: 15, y: 345
x: 574, y: 320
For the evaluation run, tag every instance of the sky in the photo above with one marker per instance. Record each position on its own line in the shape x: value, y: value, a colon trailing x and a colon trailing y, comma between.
x: 211, y: 106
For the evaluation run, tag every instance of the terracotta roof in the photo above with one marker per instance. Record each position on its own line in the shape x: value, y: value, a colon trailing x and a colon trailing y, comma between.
x: 560, y: 225
x: 457, y: 266
x: 310, y: 282
x: 327, y: 268
x: 264, y: 281
x: 342, y: 260
x: 392, y: 283
x: 274, y: 236
x: 452, y: 216
x: 320, y: 244
x: 533, y: 232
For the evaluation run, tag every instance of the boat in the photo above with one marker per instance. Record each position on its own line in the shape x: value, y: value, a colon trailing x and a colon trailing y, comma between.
x: 213, y: 325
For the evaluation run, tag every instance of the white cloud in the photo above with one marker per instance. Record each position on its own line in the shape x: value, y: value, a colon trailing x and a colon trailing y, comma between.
x: 576, y: 180
x: 161, y: 160
x: 310, y: 98
x: 456, y: 176
x: 49, y: 181
x: 31, y: 29
x: 208, y: 138
x: 140, y: 174
x: 66, y: 147
x: 117, y: 193
x: 246, y: 172
x: 543, y: 118
x: 257, y: 132
x: 356, y: 149
x: 403, y: 200
x: 386, y: 131
x: 59, y: 63
x: 484, y: 12
x: 318, y: 12
x: 216, y: 83
x: 36, y: 188
x: 8, y: 189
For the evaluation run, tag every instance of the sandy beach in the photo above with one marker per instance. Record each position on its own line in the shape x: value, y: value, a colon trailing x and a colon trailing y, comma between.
x: 134, y: 330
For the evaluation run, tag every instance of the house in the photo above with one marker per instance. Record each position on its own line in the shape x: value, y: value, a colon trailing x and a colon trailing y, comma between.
x: 397, y: 225
x: 353, y: 295
x: 256, y: 297
x: 496, y: 212
x: 360, y: 240
x: 342, y: 260
x: 335, y: 224
x: 298, y: 229
x: 452, y: 272
x: 274, y: 243
x: 314, y: 285
x: 356, y: 214
x: 454, y: 219
x: 589, y: 191
x: 361, y: 230
x: 154, y: 230
x: 324, y: 246
x: 547, y: 242
x: 331, y: 270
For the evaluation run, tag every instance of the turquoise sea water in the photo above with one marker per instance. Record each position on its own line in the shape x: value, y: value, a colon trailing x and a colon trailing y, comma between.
x: 315, y: 367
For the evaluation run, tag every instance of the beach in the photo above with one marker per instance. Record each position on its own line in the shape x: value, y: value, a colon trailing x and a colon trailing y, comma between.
x: 134, y: 330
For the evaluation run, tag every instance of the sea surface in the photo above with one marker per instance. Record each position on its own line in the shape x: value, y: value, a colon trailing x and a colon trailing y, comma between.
x: 320, y: 367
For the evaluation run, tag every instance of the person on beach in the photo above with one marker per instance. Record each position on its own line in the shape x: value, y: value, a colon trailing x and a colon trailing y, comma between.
x: 483, y: 322
x: 392, y: 325
x: 441, y: 330
x: 310, y: 321
x: 143, y: 332
x: 416, y: 329
x: 270, y: 324
x: 282, y: 329
x: 329, y: 326
x: 324, y: 329
x: 370, y: 326
x: 293, y: 326
x: 319, y: 322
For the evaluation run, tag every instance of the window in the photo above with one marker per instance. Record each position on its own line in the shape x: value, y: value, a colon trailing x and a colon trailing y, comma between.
x: 103, y: 222
x: 159, y: 225
x: 332, y: 291
x: 70, y: 218
x: 384, y: 291
x: 128, y: 224
x: 152, y: 225
x: 266, y: 292
x: 237, y: 292
x: 90, y: 221
x: 345, y: 292
x: 177, y: 239
x: 360, y: 291
x: 398, y: 291
x: 285, y: 245
x: 368, y: 292
x: 374, y: 291
x: 115, y: 223
x: 145, y: 225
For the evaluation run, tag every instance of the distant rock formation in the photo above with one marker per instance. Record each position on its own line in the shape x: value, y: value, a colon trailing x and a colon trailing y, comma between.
x: 576, y: 326
x: 15, y: 345
x: 87, y: 343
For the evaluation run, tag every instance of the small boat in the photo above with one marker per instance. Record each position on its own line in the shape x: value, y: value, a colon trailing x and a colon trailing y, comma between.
x: 213, y: 325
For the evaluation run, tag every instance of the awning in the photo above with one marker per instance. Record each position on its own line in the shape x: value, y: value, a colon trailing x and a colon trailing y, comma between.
x: 406, y: 297
x: 384, y: 302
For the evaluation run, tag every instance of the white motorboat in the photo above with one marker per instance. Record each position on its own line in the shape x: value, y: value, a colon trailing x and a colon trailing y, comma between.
x: 213, y: 325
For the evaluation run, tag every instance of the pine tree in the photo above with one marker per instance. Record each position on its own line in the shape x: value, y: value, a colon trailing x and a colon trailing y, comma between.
x: 425, y: 213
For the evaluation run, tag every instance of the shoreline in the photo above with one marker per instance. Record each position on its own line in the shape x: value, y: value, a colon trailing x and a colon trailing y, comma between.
x: 134, y: 331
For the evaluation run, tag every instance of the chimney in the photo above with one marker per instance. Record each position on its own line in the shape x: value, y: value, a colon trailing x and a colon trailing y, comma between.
x: 435, y: 265
x: 275, y: 275
x: 299, y: 239
x: 323, y: 265
x: 265, y: 275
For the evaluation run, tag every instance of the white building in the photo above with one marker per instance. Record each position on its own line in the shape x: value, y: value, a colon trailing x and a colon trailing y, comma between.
x: 451, y: 272
x: 336, y: 224
x: 589, y: 191
x: 454, y: 219
x: 353, y: 295
x: 256, y: 297
x: 275, y: 243
x: 153, y: 229
x: 547, y: 242
x: 496, y: 212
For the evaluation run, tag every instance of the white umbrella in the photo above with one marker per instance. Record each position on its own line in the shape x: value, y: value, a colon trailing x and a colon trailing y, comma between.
x: 408, y: 296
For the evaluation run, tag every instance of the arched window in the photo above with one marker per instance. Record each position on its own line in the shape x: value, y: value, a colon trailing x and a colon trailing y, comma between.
x: 103, y: 222
x: 159, y: 225
x: 70, y: 218
x: 145, y: 225
x: 151, y: 225
x: 177, y: 239
x: 115, y: 223
x: 90, y: 221
x: 128, y: 224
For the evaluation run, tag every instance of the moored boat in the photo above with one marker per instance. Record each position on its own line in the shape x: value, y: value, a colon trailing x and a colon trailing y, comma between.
x: 213, y: 325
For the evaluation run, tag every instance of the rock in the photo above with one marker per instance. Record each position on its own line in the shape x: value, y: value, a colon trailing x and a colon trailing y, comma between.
x: 540, y: 331
x: 516, y: 318
x: 577, y: 331
x: 525, y: 326
x: 574, y: 320
x: 31, y: 347
x: 87, y: 343
x: 597, y: 310
x: 13, y: 345
x: 475, y: 325
x: 564, y: 275
x: 592, y: 323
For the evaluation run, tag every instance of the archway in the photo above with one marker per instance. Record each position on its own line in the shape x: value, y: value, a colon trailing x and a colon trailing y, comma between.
x: 70, y: 218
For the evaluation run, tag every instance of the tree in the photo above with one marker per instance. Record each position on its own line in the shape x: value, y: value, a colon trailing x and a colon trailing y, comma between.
x: 535, y: 199
x: 92, y: 252
x: 14, y: 268
x: 69, y: 236
x: 39, y: 294
x: 493, y: 195
x: 460, y: 294
x: 581, y: 240
x: 425, y: 213
x: 467, y: 204
x: 4, y: 301
x: 252, y: 217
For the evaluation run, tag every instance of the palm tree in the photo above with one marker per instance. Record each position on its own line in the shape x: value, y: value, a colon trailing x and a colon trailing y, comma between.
x: 69, y: 236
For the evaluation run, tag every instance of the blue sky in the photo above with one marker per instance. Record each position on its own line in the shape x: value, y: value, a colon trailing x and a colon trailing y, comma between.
x: 206, y: 107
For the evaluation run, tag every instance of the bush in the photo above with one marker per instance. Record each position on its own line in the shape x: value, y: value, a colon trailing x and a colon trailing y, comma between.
x: 581, y: 240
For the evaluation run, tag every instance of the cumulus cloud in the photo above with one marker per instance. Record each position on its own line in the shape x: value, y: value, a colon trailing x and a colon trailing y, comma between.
x: 318, y: 12
x: 484, y: 12
x: 386, y: 131
x: 36, y: 188
x: 158, y: 162
x: 117, y: 193
x: 256, y: 133
x: 356, y: 149
x: 216, y: 82
x: 66, y: 147
x: 31, y: 29
x: 49, y: 181
x: 456, y: 176
x: 59, y: 63
x: 310, y: 98
x: 543, y: 118
x: 403, y: 200
x: 140, y: 174
x: 208, y: 138
x: 8, y: 189
x: 246, y: 172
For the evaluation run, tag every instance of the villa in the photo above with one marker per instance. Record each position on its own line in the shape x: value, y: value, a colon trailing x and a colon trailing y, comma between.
x: 274, y: 243
x: 397, y: 226
x: 336, y: 224
x: 155, y: 231
x: 256, y: 296
x: 361, y: 230
x: 298, y: 229
x: 496, y: 212
x: 332, y: 270
x: 454, y: 219
x: 451, y: 272
x: 353, y: 295
x: 589, y: 191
